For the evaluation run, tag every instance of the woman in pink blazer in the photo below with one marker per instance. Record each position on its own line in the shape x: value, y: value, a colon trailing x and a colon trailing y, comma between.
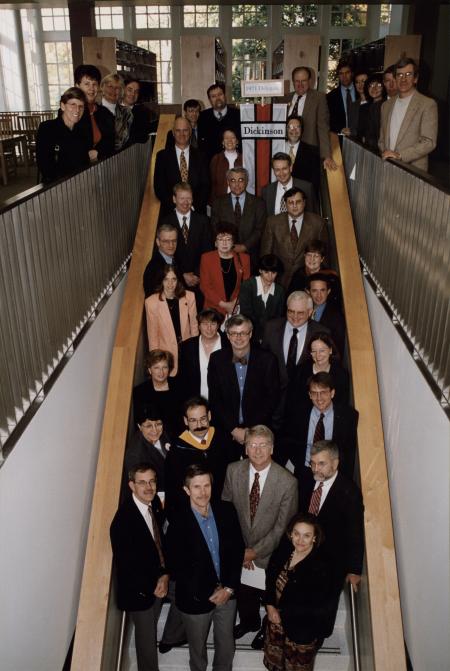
x: 223, y: 271
x: 171, y: 315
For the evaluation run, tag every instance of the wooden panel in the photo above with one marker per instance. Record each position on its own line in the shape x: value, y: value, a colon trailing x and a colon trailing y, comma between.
x: 301, y: 50
x: 198, y: 67
x: 100, y: 51
x: 90, y: 640
x: 398, y: 46
x: 385, y: 613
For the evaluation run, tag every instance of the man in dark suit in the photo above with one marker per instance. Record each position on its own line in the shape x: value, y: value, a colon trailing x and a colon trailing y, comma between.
x: 163, y: 254
x: 206, y: 550
x: 246, y: 211
x: 191, y: 109
x: 324, y: 420
x: 304, y: 157
x: 287, y: 233
x: 181, y: 163
x: 243, y: 382
x: 265, y: 496
x: 214, y: 120
x: 337, y: 502
x: 142, y: 577
x: 340, y: 98
x: 273, y: 193
x: 326, y: 312
x: 194, y: 238
x: 311, y: 106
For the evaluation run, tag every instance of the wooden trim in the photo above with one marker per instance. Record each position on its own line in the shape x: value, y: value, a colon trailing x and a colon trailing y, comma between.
x: 95, y: 588
x: 385, y: 613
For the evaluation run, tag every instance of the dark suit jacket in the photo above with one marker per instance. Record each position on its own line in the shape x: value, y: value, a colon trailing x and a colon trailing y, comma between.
x: 188, y: 254
x: 136, y: 556
x: 190, y: 365
x: 218, y: 168
x: 298, y: 395
x: 210, y: 129
x: 342, y: 520
x: 105, y: 123
x: 338, y: 119
x: 307, y: 167
x: 190, y: 561
x: 141, y: 124
x: 167, y: 174
x: 140, y: 451
x: 252, y: 223
x: 153, y: 273
x: 269, y: 194
x: 252, y: 306
x: 261, y: 389
x: 334, y: 320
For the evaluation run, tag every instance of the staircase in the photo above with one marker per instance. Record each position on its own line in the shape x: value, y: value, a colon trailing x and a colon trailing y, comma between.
x: 333, y: 656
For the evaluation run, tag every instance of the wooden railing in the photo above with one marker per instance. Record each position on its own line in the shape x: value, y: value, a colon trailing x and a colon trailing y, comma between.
x: 96, y: 633
x: 381, y: 582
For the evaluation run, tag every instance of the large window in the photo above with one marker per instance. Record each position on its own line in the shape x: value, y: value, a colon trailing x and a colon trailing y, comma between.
x: 293, y: 16
x: 348, y: 15
x: 336, y: 49
x: 385, y: 14
x: 109, y: 18
x: 249, y: 61
x: 249, y: 15
x: 154, y: 16
x: 55, y: 18
x: 163, y: 51
x: 201, y: 16
x: 58, y: 56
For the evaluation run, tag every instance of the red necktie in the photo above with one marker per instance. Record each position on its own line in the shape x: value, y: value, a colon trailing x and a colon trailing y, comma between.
x: 319, y: 431
x: 314, y: 504
x: 294, y: 234
x: 156, y: 534
x: 254, y: 497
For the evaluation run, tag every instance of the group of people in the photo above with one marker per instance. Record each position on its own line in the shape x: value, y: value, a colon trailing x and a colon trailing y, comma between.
x: 239, y: 478
x: 85, y: 129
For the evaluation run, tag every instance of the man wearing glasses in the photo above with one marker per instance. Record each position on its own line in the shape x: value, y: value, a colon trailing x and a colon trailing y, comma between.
x: 243, y: 382
x: 409, y: 120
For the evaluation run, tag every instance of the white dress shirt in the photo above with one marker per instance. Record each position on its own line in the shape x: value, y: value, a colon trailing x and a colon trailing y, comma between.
x: 186, y: 155
x: 204, y: 360
x: 301, y: 337
x: 281, y: 190
x: 260, y: 289
x: 143, y: 509
x: 326, y: 488
x: 180, y: 218
x: 301, y: 104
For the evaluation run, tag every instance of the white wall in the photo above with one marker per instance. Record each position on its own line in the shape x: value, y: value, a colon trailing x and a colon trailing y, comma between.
x: 417, y: 440
x: 45, y: 497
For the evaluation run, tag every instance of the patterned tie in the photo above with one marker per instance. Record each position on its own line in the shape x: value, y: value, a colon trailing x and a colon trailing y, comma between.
x: 294, y: 234
x: 185, y: 230
x: 348, y: 105
x: 292, y: 153
x: 219, y: 116
x: 319, y: 432
x: 237, y: 213
x: 283, y: 202
x: 292, y: 354
x: 254, y: 497
x: 156, y: 534
x: 295, y: 108
x: 183, y: 167
x: 314, y: 504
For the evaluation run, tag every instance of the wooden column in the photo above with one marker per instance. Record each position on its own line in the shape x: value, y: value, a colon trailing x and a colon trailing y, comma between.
x: 82, y: 23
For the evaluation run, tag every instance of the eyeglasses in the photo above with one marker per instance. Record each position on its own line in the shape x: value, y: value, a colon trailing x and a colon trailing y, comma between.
x: 404, y: 75
x: 142, y: 483
x: 201, y: 420
x: 313, y: 256
x: 255, y: 445
x: 375, y: 85
x: 151, y: 425
x: 224, y: 238
x: 239, y: 334
x: 241, y: 180
x: 296, y: 313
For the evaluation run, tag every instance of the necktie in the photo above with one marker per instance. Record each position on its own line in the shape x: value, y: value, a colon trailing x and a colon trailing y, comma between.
x: 254, y: 497
x: 292, y: 354
x: 219, y: 116
x: 183, y: 167
x: 203, y: 441
x: 292, y: 153
x: 314, y: 504
x: 237, y: 213
x: 194, y: 140
x: 349, y: 102
x: 243, y: 360
x: 294, y: 234
x: 319, y: 431
x: 295, y: 108
x: 156, y: 534
x: 185, y: 230
x: 283, y: 202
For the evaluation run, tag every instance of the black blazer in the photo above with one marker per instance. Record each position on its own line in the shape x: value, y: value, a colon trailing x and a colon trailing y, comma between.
x: 210, y: 129
x: 190, y: 365
x: 141, y: 124
x: 252, y: 306
x: 261, y: 389
x: 59, y: 150
x: 342, y: 520
x: 333, y: 319
x: 140, y: 451
x: 307, y: 166
x: 298, y: 395
x: 167, y: 174
x: 135, y: 556
x: 105, y: 123
x: 338, y: 119
x: 307, y: 602
x: 187, y: 256
x: 190, y: 560
x: 167, y: 402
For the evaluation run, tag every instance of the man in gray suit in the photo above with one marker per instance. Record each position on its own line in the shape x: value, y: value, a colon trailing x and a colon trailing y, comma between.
x: 265, y: 496
x: 287, y: 233
x: 273, y: 193
x: 246, y: 211
x: 409, y: 120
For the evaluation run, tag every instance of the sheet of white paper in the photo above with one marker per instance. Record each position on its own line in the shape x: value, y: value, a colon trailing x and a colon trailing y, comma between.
x: 254, y: 578
x: 353, y: 173
x: 290, y: 466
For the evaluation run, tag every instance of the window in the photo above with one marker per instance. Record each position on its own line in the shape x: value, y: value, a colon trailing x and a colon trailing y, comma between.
x: 163, y: 51
x: 249, y: 61
x: 385, y: 14
x: 156, y: 16
x: 201, y: 16
x: 293, y: 16
x: 58, y: 56
x: 55, y: 18
x: 336, y: 49
x: 108, y: 18
x: 249, y: 15
x: 349, y: 15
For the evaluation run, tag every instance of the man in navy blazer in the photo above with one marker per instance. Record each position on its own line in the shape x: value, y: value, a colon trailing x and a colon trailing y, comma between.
x: 168, y: 169
x: 142, y: 578
x: 340, y: 97
x: 272, y: 193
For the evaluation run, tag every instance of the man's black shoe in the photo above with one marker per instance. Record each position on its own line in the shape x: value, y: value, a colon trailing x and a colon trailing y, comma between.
x: 258, y: 641
x: 241, y: 629
x: 165, y: 647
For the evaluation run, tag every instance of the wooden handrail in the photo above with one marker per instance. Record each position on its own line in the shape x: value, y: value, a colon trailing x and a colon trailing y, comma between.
x: 95, y: 588
x: 385, y: 613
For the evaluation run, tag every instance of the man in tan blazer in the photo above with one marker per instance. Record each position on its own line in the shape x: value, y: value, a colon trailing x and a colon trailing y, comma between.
x: 287, y: 233
x: 409, y: 120
x: 265, y: 496
x: 312, y: 106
